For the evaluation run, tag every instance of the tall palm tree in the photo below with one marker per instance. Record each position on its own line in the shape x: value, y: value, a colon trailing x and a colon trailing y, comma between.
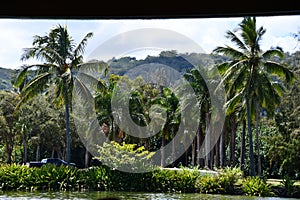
x: 251, y: 72
x: 62, y: 59
x: 200, y: 87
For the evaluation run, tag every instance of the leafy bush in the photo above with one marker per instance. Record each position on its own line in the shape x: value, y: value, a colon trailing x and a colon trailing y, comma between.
x: 288, y: 185
x: 255, y: 186
x: 94, y: 178
x: 181, y: 180
x: 15, y: 176
x: 52, y: 177
x: 127, y: 157
x: 221, y: 183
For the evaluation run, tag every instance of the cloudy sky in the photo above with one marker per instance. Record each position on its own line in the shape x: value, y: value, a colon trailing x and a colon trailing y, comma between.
x: 142, y: 37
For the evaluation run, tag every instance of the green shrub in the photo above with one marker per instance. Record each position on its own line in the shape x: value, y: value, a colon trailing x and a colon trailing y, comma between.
x: 288, y: 185
x: 126, y: 157
x: 15, y: 176
x: 94, y: 178
x: 255, y: 186
x: 222, y: 183
x: 51, y: 177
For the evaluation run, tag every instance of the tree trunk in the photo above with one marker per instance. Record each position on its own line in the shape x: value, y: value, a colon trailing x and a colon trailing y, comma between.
x: 193, y: 152
x: 257, y: 141
x: 222, y: 148
x: 37, y: 154
x: 198, y: 147
x: 9, y: 154
x: 251, y: 156
x: 68, y: 150
x: 199, y: 133
x: 232, y: 143
x: 163, y: 140
x: 86, y: 158
x: 173, y: 153
x: 217, y: 160
x: 52, y: 153
x: 243, y: 146
x: 9, y: 147
x: 24, y: 138
x: 207, y: 142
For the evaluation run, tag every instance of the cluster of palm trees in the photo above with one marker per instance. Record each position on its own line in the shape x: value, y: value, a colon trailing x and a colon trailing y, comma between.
x: 254, y: 79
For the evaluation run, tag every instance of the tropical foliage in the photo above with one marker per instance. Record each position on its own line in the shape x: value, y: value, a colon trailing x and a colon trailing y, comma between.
x: 262, y: 101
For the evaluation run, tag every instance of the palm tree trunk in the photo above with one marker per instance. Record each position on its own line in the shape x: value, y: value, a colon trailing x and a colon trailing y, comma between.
x: 173, y: 153
x: 52, y: 153
x: 232, y: 143
x: 86, y: 158
x: 163, y: 140
x: 222, y: 148
x: 257, y: 141
x: 217, y: 160
x: 251, y: 156
x: 68, y: 150
x: 24, y: 138
x: 199, y: 142
x: 193, y: 152
x: 207, y: 142
x: 199, y: 145
x: 243, y: 146
x: 37, y: 154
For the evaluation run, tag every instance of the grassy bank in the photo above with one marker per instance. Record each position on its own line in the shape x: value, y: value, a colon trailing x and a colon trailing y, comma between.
x: 226, y: 181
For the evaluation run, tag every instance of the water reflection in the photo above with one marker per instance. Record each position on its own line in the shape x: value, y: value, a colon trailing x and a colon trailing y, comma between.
x: 121, y: 195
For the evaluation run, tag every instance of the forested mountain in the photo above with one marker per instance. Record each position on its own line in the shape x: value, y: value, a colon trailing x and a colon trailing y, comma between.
x: 120, y: 66
x: 180, y: 62
x: 5, y: 78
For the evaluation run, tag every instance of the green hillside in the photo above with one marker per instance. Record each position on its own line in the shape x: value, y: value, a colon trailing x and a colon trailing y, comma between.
x: 5, y: 78
x: 179, y: 62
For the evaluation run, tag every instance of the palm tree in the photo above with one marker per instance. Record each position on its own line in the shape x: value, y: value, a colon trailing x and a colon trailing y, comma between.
x: 200, y: 87
x: 251, y: 72
x: 61, y: 57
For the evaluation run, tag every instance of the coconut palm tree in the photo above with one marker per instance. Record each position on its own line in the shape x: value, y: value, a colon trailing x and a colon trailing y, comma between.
x: 251, y: 72
x: 62, y: 59
x: 200, y: 87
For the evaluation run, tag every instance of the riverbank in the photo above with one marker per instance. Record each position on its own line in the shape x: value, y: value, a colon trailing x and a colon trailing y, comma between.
x: 228, y: 181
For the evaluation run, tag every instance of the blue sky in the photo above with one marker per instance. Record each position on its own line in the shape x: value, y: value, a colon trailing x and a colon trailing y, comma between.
x: 208, y: 33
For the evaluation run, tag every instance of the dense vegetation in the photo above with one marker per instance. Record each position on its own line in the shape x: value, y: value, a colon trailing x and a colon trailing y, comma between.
x: 261, y: 134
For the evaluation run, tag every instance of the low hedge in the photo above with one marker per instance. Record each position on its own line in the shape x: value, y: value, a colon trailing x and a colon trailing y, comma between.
x: 64, y: 178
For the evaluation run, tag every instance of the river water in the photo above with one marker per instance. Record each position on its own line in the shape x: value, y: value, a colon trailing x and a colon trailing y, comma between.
x: 122, y: 196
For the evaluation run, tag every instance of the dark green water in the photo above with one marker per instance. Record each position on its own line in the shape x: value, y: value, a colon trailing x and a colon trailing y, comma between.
x: 120, y: 195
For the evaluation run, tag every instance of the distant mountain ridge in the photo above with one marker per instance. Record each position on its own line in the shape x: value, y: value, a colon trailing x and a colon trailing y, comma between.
x: 6, y: 76
x: 179, y: 62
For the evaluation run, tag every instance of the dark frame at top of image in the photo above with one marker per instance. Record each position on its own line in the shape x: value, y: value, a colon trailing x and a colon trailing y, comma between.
x: 145, y: 9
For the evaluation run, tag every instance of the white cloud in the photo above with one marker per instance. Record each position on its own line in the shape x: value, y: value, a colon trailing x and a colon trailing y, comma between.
x: 208, y: 33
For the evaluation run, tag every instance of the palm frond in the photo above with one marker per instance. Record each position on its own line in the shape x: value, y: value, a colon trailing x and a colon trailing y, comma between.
x: 34, y: 87
x: 229, y: 51
x: 249, y: 35
x: 92, y: 82
x: 280, y: 70
x: 94, y: 68
x: 22, y: 76
x: 20, y: 79
x: 231, y: 71
x: 81, y: 92
x: 233, y: 103
x: 237, y: 82
x: 235, y: 39
x: 273, y: 52
x: 81, y: 46
x: 223, y: 67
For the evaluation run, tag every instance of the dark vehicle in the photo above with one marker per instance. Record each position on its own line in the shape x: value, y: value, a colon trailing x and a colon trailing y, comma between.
x: 56, y: 161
